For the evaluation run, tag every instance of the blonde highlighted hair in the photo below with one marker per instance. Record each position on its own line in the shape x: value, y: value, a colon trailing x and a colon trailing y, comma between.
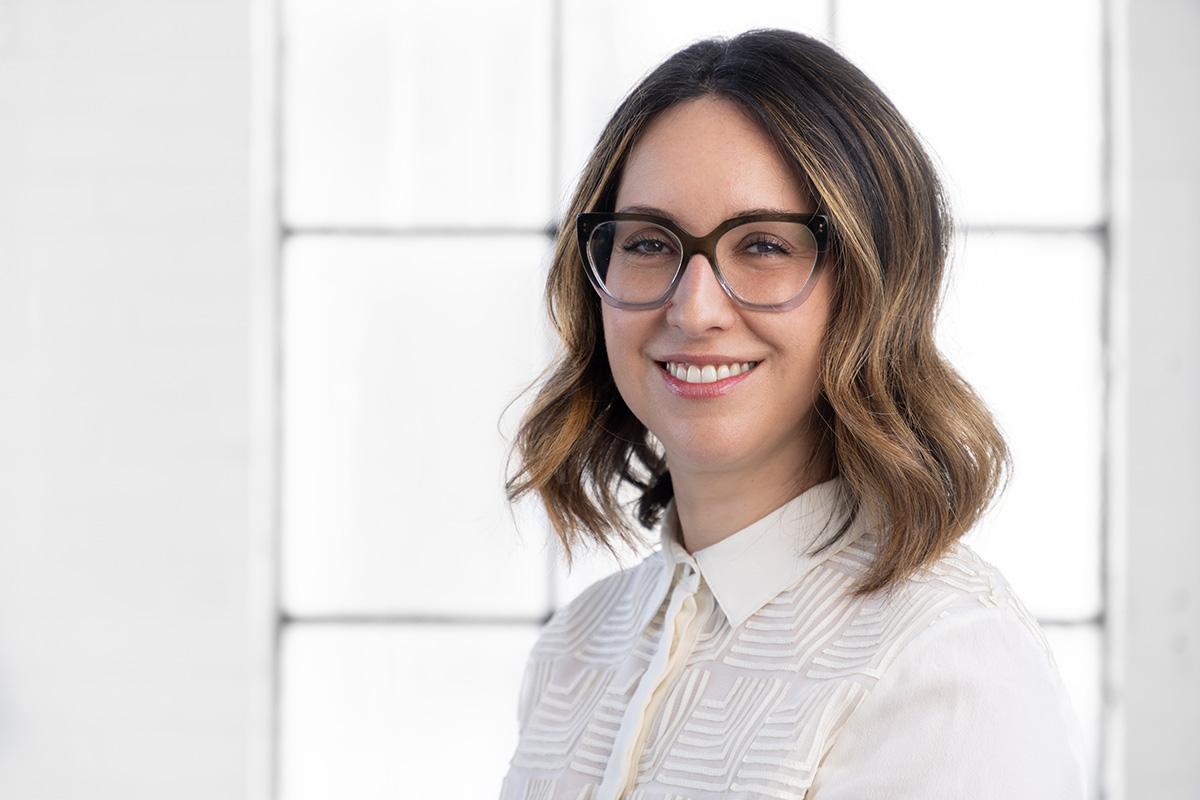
x: 916, y: 448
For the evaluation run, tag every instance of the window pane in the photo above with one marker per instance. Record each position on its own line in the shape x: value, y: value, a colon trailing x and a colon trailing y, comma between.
x: 1008, y: 95
x: 417, y: 113
x: 1021, y: 322
x: 399, y: 358
x: 374, y: 712
x: 605, y: 54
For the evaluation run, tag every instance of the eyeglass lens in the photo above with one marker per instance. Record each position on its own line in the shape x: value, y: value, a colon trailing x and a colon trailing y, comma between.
x: 765, y: 262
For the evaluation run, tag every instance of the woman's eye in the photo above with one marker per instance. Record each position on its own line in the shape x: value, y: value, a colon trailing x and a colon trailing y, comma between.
x: 764, y: 247
x: 648, y: 246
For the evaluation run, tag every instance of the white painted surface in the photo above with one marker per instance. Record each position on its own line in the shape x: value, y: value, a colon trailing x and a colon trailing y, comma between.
x: 124, y: 399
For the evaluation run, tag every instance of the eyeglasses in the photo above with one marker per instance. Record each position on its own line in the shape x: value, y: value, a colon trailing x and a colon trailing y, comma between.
x: 763, y: 261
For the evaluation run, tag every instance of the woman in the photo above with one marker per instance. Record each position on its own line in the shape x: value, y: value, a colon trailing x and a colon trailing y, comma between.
x: 747, y: 301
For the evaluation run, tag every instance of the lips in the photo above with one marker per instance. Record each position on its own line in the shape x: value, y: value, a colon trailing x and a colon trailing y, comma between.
x: 708, y: 373
x: 718, y: 387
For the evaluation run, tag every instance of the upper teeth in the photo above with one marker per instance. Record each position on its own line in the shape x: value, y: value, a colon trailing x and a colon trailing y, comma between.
x: 709, y: 372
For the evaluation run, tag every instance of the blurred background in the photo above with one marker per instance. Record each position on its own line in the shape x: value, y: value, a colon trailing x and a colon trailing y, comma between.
x: 271, y: 271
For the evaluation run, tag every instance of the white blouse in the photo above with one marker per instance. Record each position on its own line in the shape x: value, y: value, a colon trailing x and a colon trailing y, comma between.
x: 745, y: 671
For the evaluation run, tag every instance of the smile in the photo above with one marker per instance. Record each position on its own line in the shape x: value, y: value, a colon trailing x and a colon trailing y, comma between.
x: 693, y: 381
x: 709, y: 373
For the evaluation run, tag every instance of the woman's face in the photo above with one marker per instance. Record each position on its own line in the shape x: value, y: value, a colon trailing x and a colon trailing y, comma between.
x: 702, y: 162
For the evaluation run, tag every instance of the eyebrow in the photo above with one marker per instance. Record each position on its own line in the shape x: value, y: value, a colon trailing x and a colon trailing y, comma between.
x: 744, y: 213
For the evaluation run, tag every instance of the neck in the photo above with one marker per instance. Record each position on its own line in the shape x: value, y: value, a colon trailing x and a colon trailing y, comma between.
x: 714, y: 504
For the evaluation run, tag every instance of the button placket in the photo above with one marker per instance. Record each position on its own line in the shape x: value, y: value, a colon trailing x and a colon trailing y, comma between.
x: 621, y: 768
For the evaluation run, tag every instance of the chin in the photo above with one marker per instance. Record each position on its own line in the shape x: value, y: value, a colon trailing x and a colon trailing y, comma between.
x: 707, y: 450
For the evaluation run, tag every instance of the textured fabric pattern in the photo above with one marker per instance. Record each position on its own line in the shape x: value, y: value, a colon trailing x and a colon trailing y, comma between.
x: 744, y: 671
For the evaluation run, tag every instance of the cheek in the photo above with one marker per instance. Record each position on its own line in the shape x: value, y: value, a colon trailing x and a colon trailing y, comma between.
x: 803, y: 342
x: 622, y: 342
x: 616, y: 341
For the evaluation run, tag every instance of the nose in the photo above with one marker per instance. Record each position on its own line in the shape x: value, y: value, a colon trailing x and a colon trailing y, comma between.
x: 700, y: 302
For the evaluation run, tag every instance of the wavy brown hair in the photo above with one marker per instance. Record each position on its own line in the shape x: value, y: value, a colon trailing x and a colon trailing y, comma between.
x: 916, y: 447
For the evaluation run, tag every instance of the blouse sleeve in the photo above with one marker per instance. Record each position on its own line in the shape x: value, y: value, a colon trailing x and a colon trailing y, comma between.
x: 972, y: 709
x: 524, y: 699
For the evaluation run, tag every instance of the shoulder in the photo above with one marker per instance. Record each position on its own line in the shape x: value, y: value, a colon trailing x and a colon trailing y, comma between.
x: 976, y: 593
x: 621, y: 600
x: 958, y: 590
x: 966, y: 699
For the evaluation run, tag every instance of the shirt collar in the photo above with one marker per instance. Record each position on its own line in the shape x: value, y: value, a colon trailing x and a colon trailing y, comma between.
x: 746, y: 569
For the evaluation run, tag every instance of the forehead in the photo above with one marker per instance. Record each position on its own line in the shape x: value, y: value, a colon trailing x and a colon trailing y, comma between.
x: 705, y: 160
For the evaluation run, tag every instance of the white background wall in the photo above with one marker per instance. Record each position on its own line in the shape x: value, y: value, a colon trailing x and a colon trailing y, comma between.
x: 125, y: 413
x: 134, y: 349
